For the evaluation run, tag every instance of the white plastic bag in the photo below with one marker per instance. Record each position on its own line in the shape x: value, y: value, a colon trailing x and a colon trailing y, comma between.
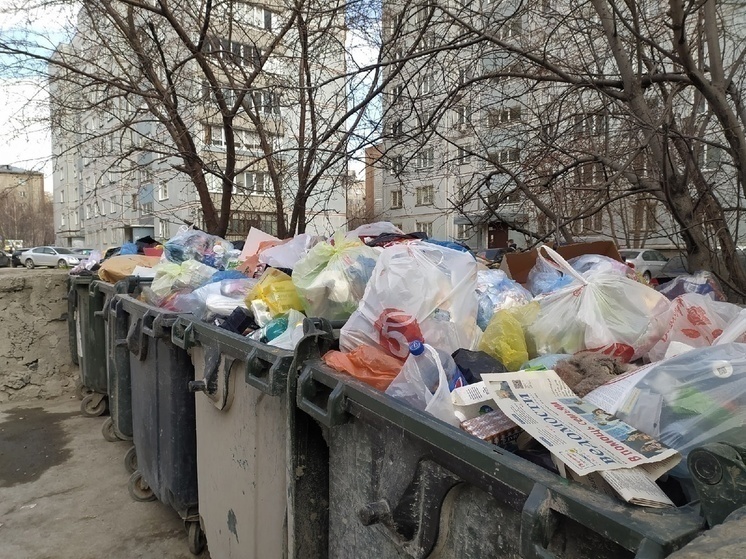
x: 600, y: 311
x: 287, y: 254
x: 413, y: 385
x: 695, y: 320
x: 418, y: 291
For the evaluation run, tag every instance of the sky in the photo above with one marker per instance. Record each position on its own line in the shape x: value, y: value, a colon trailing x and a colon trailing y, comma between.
x: 24, y: 132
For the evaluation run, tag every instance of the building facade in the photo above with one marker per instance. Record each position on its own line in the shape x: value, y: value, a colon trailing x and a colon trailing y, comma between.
x: 22, y: 205
x: 119, y: 173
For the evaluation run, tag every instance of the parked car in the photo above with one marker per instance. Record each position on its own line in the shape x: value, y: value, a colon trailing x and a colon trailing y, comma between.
x: 54, y: 257
x: 647, y: 262
x: 679, y: 265
x: 82, y: 251
x: 15, y: 257
x: 4, y: 259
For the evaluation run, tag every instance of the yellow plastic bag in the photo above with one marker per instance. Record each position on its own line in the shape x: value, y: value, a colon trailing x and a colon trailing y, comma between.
x: 504, y: 337
x: 276, y: 289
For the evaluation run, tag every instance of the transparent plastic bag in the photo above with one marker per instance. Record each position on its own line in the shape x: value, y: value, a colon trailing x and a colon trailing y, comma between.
x: 331, y: 279
x: 496, y: 291
x: 191, y: 244
x: 424, y: 384
x: 601, y: 312
x: 171, y: 277
x: 703, y: 283
x: 689, y: 400
x: 600, y: 263
x: 545, y: 277
x: 418, y: 291
x: 220, y: 298
x: 292, y: 334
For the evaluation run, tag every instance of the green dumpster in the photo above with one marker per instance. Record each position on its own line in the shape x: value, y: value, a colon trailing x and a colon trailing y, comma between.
x: 403, y: 484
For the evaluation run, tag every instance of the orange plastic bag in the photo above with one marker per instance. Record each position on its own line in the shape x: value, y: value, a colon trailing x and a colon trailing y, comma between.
x: 366, y: 363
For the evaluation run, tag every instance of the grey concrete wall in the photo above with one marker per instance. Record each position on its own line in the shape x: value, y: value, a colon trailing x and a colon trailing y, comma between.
x: 34, y: 349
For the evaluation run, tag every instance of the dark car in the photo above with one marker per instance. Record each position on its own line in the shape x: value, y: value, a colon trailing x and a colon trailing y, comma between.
x: 15, y: 257
x: 4, y: 259
x: 679, y: 266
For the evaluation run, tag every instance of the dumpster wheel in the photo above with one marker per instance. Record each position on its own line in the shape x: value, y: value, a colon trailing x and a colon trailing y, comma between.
x: 196, y: 537
x: 139, y: 488
x: 93, y: 405
x: 108, y: 431
x: 130, y: 460
x: 81, y: 391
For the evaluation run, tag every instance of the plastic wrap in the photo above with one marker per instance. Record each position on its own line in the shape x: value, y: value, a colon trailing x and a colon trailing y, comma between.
x: 288, y: 254
x: 170, y: 276
x: 191, y: 244
x: 703, y: 283
x: 495, y: 291
x: 418, y: 291
x: 276, y: 290
x: 689, y: 400
x: 331, y: 279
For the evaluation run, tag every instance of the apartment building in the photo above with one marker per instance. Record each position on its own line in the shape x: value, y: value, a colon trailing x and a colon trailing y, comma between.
x: 473, y: 151
x: 120, y: 175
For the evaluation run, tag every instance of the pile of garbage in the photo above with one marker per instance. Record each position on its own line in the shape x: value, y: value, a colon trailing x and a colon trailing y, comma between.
x: 640, y: 375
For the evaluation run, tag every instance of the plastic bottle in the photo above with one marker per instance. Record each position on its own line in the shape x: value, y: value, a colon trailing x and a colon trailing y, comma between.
x: 424, y: 361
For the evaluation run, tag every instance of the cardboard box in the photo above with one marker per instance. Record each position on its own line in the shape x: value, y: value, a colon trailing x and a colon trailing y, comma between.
x: 518, y: 264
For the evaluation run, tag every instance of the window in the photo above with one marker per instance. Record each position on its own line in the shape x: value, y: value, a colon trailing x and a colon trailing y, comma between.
x: 254, y: 183
x: 397, y: 94
x: 425, y: 227
x: 62, y: 219
x: 163, y: 231
x: 593, y: 222
x: 76, y: 218
x: 396, y: 199
x: 256, y: 16
x: 427, y: 85
x: 397, y: 129
x: 590, y: 174
x: 462, y: 115
x: 464, y: 75
x: 510, y: 29
x: 425, y: 195
x: 215, y: 136
x: 590, y: 125
x: 95, y: 209
x: 397, y: 165
x: 88, y: 211
x: 507, y: 156
x: 426, y: 158
x: 463, y: 155
x: 62, y: 196
x: 214, y: 183
x: 134, y: 202
x: 113, y: 205
x: 147, y: 208
x: 709, y: 156
x: 266, y: 102
x: 241, y: 54
x: 463, y: 230
x: 163, y: 190
x: 22, y: 193
x: 505, y: 115
x: 241, y: 221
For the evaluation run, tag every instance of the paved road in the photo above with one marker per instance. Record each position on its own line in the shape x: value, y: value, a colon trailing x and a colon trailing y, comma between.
x: 63, y: 491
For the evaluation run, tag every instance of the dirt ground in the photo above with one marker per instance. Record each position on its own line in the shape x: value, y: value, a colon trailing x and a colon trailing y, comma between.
x: 63, y: 491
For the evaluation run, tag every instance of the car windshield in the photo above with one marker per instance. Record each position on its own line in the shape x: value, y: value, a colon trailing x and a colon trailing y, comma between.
x: 677, y: 264
x: 63, y: 250
x: 629, y: 253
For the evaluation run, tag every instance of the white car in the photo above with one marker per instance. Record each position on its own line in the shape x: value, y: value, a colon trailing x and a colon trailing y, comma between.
x: 645, y: 261
x: 54, y: 257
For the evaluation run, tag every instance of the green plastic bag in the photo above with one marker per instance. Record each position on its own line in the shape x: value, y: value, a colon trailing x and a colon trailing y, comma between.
x: 331, y: 279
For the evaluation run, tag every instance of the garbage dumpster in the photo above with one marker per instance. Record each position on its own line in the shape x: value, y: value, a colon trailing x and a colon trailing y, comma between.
x: 163, y: 424
x: 72, y: 330
x: 118, y: 426
x: 403, y: 484
x: 261, y: 464
x: 90, y: 345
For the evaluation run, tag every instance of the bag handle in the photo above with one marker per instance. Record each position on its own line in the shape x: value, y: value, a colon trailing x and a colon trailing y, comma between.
x: 560, y: 263
x: 734, y: 330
